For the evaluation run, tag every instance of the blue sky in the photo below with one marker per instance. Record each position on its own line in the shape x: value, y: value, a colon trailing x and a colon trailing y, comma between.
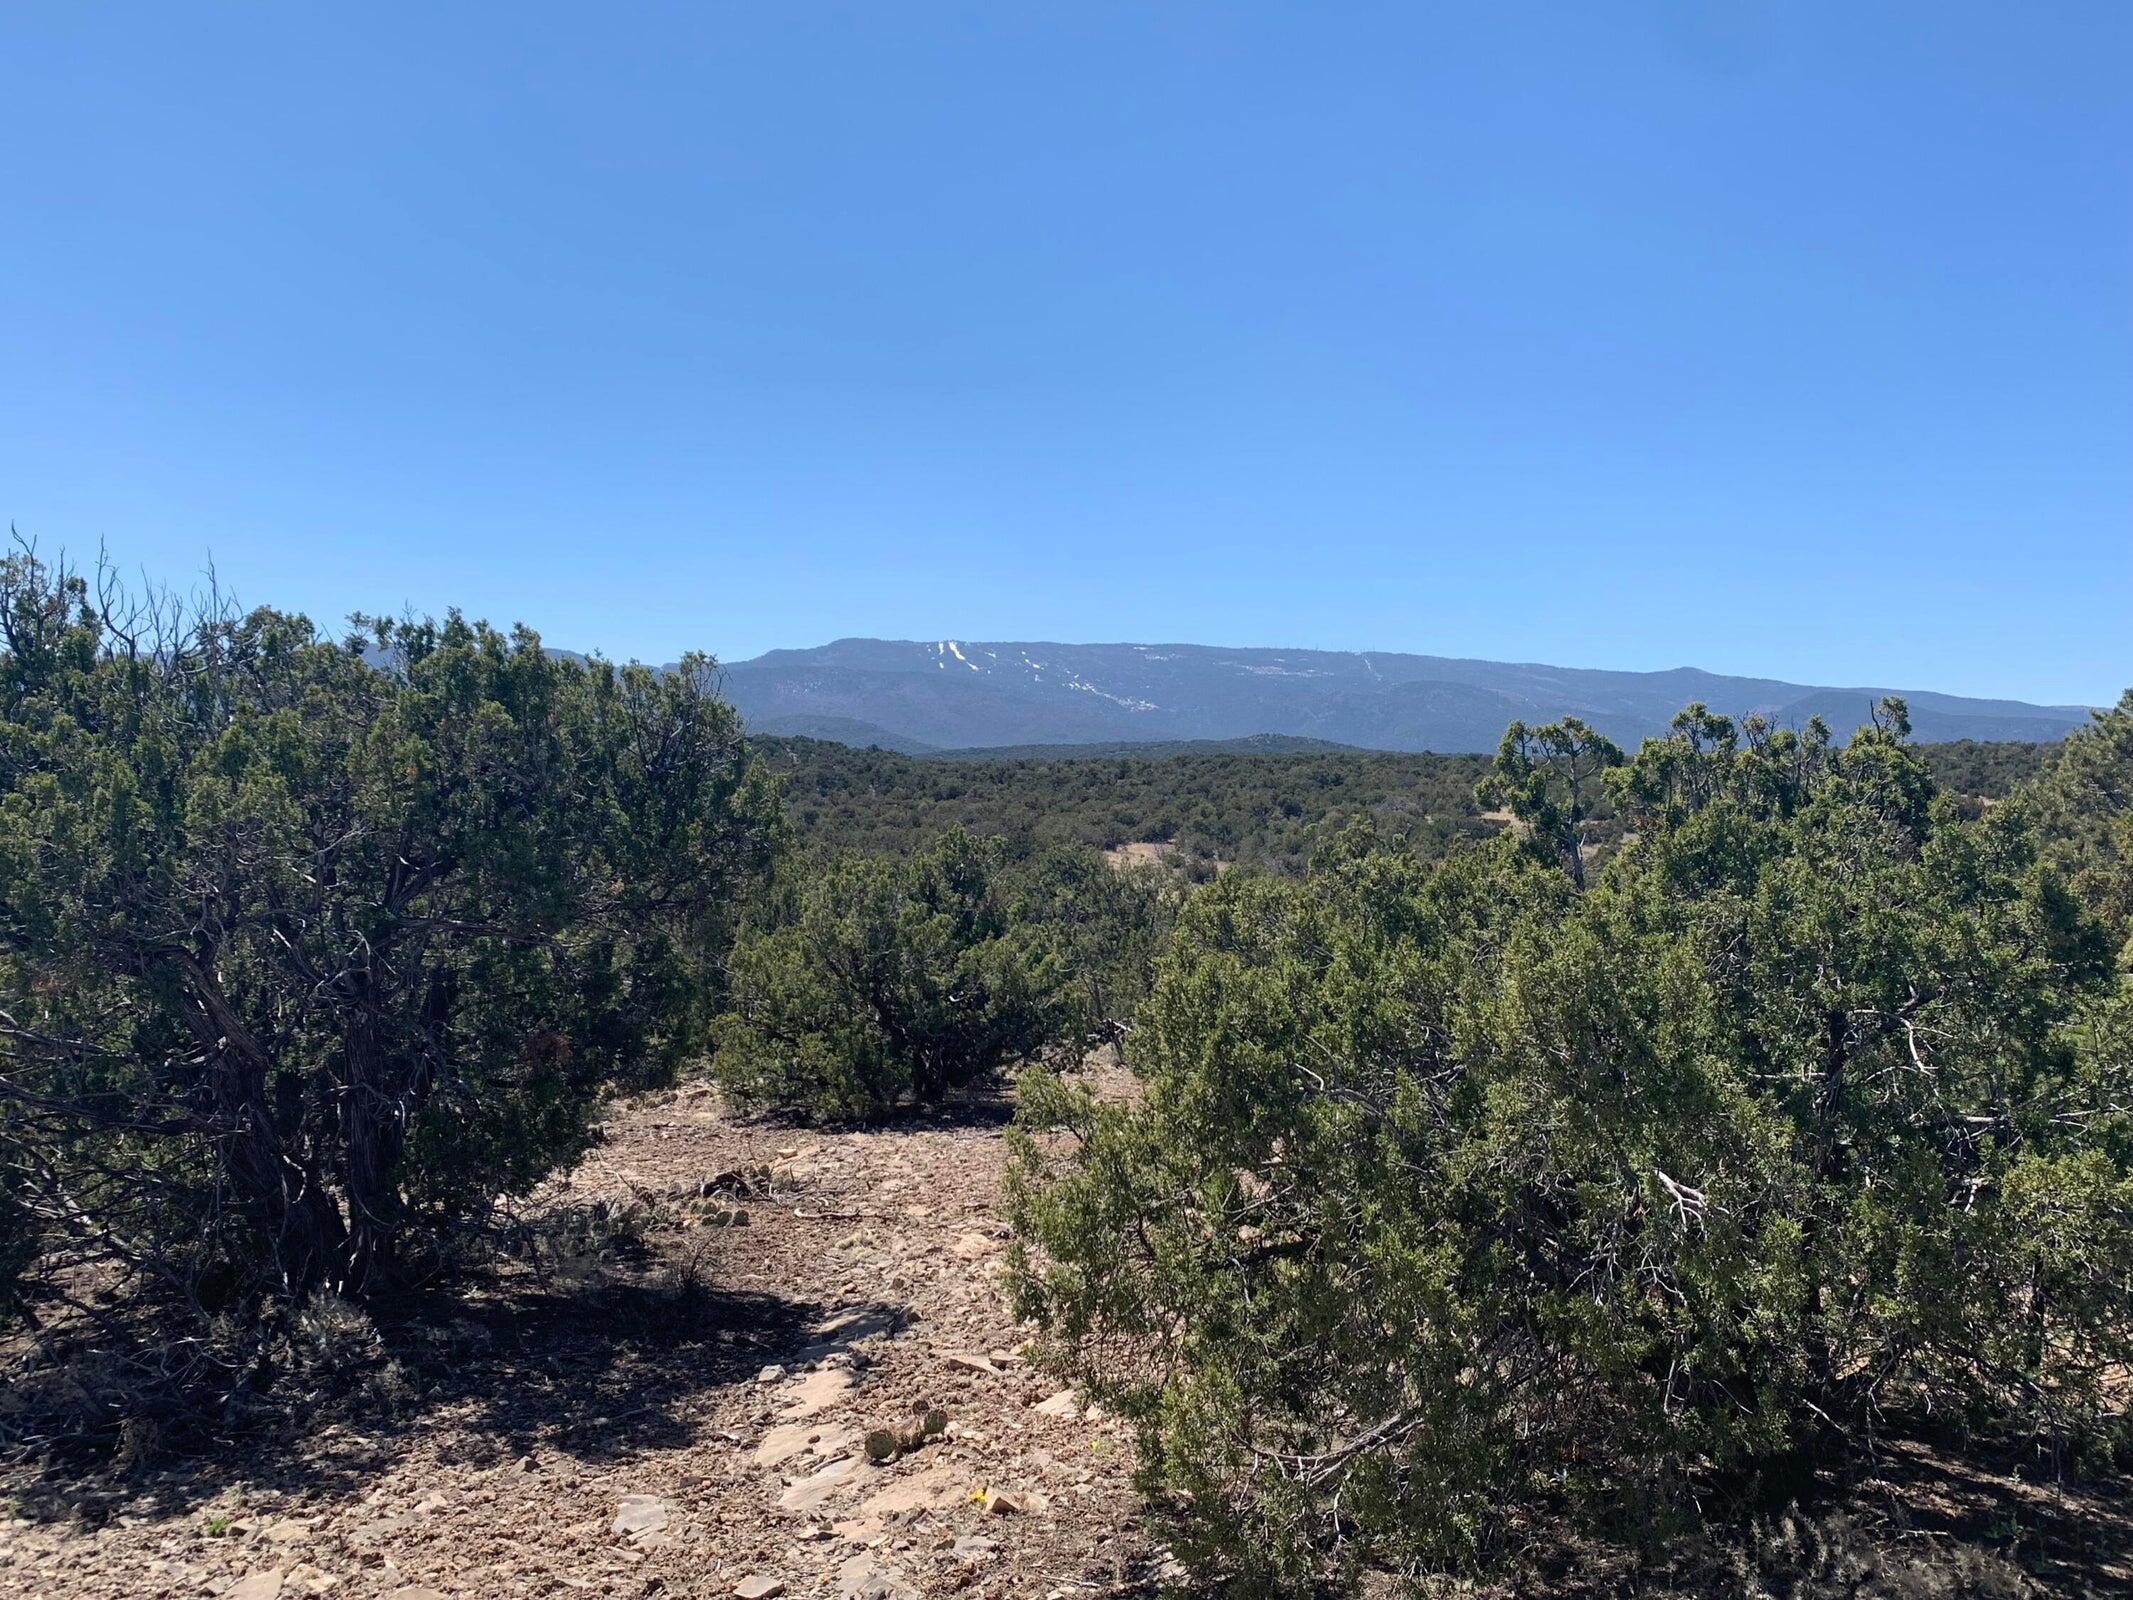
x: 1791, y: 339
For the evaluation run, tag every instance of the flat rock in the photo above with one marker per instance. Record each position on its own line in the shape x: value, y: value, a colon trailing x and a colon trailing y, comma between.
x: 809, y: 1492
x: 818, y: 1391
x: 791, y: 1439
x: 1063, y: 1405
x: 641, y: 1514
x: 942, y: 1485
x: 255, y: 1586
x: 970, y: 1359
x: 759, y: 1586
x: 865, y: 1578
x: 418, y: 1592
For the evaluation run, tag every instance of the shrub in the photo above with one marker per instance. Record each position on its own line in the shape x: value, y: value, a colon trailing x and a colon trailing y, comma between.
x: 874, y: 982
x: 1108, y: 924
x: 1460, y: 1196
x: 309, y: 949
x: 877, y: 981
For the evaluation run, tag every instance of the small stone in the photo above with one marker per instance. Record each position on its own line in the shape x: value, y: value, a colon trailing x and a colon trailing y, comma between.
x: 759, y: 1586
x: 971, y: 1548
x: 641, y: 1514
x: 255, y: 1586
x: 288, y: 1531
x: 416, y: 1591
x: 1062, y: 1405
x: 770, y: 1374
x: 1001, y: 1503
x: 970, y: 1359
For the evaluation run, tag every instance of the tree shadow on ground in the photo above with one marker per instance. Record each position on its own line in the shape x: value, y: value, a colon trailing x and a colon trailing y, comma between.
x: 597, y: 1370
x: 2073, y: 1534
x: 1925, y: 1515
x: 986, y: 1105
x: 981, y: 1105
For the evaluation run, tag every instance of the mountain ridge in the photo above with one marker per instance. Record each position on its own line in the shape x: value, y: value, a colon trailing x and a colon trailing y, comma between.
x: 962, y: 694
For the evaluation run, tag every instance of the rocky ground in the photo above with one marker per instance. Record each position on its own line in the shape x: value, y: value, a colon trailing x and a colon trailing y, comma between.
x: 680, y: 1408
x: 673, y: 1397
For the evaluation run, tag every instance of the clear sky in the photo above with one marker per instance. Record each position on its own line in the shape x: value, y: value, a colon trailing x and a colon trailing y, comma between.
x: 1780, y: 338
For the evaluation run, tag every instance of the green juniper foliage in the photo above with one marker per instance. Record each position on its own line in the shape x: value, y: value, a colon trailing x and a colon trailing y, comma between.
x: 1463, y: 1194
x: 1267, y: 810
x: 309, y: 949
x: 1253, y: 809
x: 2083, y: 807
x: 1549, y: 779
x: 873, y: 982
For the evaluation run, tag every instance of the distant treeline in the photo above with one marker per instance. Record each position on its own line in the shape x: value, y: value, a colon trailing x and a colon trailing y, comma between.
x: 1248, y: 808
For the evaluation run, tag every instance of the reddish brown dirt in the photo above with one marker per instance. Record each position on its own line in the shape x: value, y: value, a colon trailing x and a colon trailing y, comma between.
x: 711, y: 1385
x: 868, y: 1273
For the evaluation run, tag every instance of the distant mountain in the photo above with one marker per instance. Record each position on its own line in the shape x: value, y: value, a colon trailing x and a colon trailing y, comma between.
x: 1252, y: 744
x: 954, y: 694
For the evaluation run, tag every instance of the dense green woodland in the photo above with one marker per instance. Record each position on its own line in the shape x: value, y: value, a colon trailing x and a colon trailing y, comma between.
x: 1612, y: 1174
x: 1248, y: 809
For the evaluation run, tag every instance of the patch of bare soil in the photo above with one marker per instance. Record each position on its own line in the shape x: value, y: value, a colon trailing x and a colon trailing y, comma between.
x: 689, y: 1420
x: 1140, y: 853
x: 1155, y: 853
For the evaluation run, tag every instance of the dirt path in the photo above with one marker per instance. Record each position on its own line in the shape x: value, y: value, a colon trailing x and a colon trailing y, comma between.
x: 689, y: 1421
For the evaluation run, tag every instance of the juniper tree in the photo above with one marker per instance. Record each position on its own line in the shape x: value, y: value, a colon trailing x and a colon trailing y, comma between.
x: 1550, y: 778
x: 310, y: 948
x: 869, y: 983
x: 875, y: 982
x: 1456, y: 1197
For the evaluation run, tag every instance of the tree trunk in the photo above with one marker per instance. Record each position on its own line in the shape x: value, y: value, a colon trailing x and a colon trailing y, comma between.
x: 283, y: 1198
x: 373, y: 1133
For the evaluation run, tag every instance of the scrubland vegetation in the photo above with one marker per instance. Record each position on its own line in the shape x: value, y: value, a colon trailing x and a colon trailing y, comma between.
x: 1618, y: 1171
x: 1462, y: 1197
x: 1262, y: 811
